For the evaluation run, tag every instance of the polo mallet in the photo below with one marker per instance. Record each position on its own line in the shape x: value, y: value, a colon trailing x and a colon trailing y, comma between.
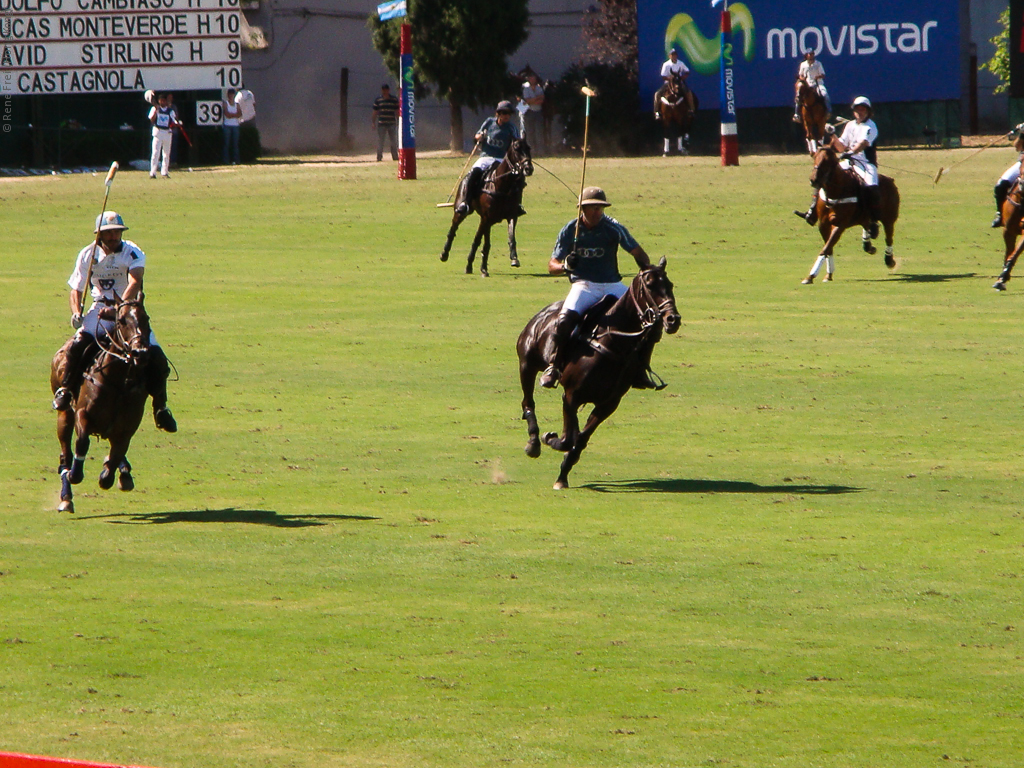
x: 943, y: 171
x: 92, y: 254
x: 184, y: 135
x: 587, y: 91
x: 448, y: 203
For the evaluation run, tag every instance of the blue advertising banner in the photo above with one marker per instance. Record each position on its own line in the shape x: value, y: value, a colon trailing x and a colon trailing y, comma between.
x: 906, y: 51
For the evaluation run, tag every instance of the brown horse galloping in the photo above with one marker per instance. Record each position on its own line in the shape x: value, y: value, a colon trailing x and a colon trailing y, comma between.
x: 838, y: 206
x: 501, y: 198
x: 603, y: 360
x: 109, y: 403
x: 812, y: 115
x: 672, y: 109
x: 1013, y: 224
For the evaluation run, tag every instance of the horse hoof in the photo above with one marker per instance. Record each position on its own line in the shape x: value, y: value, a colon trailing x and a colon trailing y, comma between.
x: 484, y: 273
x: 890, y: 262
x: 469, y: 269
x: 106, y: 479
x: 66, y: 505
x: 1000, y: 285
x: 560, y: 485
x: 868, y: 247
x: 532, y: 449
x: 125, y: 481
x: 513, y: 262
x: 444, y: 257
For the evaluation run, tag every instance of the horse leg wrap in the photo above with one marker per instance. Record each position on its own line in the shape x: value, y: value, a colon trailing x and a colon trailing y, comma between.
x: 77, y: 471
x: 817, y: 265
x: 830, y: 265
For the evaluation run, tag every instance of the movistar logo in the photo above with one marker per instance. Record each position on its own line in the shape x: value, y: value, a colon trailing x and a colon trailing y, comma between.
x: 702, y: 53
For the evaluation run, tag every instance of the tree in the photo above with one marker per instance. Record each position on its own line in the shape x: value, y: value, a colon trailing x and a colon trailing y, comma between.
x: 460, y: 50
x: 610, y: 35
x: 999, y: 64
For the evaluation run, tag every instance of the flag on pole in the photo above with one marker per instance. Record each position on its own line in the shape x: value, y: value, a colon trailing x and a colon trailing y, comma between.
x: 392, y: 10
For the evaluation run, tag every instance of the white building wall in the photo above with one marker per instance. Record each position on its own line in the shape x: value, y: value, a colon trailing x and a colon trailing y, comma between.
x: 296, y: 80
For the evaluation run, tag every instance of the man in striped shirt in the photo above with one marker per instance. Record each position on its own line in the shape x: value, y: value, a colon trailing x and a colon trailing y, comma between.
x: 385, y: 118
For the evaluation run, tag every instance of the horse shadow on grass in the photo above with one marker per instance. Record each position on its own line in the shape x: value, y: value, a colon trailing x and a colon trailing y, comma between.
x: 908, y: 278
x: 266, y: 517
x: 685, y: 485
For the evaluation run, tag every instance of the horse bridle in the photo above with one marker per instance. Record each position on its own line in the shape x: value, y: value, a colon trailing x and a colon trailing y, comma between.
x: 516, y: 167
x: 118, y: 341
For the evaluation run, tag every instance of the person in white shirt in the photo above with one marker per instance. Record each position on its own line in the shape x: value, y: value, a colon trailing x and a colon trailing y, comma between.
x: 1009, y: 177
x: 533, y: 118
x: 857, y: 148
x: 163, y: 118
x: 674, y: 68
x: 812, y: 73
x: 232, y: 114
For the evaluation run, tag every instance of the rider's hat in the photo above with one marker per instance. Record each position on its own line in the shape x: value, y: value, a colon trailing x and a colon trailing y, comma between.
x: 594, y: 196
x: 109, y: 220
x: 505, y: 106
x: 862, y: 101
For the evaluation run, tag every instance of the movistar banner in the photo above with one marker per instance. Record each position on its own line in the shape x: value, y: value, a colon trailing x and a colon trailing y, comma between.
x: 906, y: 51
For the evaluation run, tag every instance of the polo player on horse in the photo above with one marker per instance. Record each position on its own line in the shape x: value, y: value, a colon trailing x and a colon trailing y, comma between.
x: 113, y: 268
x: 812, y: 73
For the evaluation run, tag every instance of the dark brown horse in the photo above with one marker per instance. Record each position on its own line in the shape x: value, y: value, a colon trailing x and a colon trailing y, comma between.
x: 603, y: 361
x: 838, y: 206
x: 1013, y: 224
x: 672, y: 109
x: 500, y: 200
x: 109, y: 403
x: 812, y: 115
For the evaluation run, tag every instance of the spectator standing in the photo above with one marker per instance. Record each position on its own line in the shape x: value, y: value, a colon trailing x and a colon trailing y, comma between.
x: 385, y: 119
x: 232, y: 113
x: 533, y: 119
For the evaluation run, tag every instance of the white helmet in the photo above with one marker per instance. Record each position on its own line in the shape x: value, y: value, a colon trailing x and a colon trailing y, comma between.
x: 862, y: 101
x: 109, y: 220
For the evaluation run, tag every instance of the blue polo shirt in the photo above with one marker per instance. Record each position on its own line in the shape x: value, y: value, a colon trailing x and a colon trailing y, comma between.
x: 497, y: 138
x: 596, y: 248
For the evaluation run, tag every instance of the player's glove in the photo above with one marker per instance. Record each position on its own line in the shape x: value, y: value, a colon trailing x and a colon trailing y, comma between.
x: 846, y: 155
x: 830, y: 129
x: 76, y: 321
x: 572, y: 261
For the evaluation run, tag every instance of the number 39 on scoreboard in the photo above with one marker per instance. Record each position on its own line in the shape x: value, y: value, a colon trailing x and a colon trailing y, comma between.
x: 209, y: 113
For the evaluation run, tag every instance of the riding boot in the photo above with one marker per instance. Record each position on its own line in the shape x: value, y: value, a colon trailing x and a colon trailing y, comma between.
x: 796, y: 110
x: 873, y: 197
x: 1001, y: 190
x: 644, y: 378
x: 472, y: 190
x: 157, y: 371
x: 811, y: 215
x: 78, y: 356
x: 558, y: 345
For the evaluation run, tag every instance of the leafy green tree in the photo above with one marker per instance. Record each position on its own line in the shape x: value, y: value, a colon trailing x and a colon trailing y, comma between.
x: 460, y: 50
x: 999, y: 64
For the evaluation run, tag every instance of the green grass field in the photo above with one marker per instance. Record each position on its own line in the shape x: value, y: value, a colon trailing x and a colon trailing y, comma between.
x: 806, y: 552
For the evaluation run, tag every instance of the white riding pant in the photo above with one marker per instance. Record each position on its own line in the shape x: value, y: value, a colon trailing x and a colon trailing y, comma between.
x: 94, y: 326
x: 867, y: 171
x: 585, y: 294
x: 485, y: 161
x: 1011, y: 174
x: 161, y: 143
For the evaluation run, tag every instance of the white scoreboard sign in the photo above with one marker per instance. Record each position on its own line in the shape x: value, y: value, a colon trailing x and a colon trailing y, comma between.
x: 104, y: 46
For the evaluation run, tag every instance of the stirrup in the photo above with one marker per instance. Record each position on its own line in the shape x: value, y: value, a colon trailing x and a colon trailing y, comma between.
x: 646, y: 380
x: 997, y: 222
x: 62, y: 399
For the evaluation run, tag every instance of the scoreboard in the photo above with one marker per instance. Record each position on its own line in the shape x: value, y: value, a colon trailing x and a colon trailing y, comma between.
x: 108, y: 46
